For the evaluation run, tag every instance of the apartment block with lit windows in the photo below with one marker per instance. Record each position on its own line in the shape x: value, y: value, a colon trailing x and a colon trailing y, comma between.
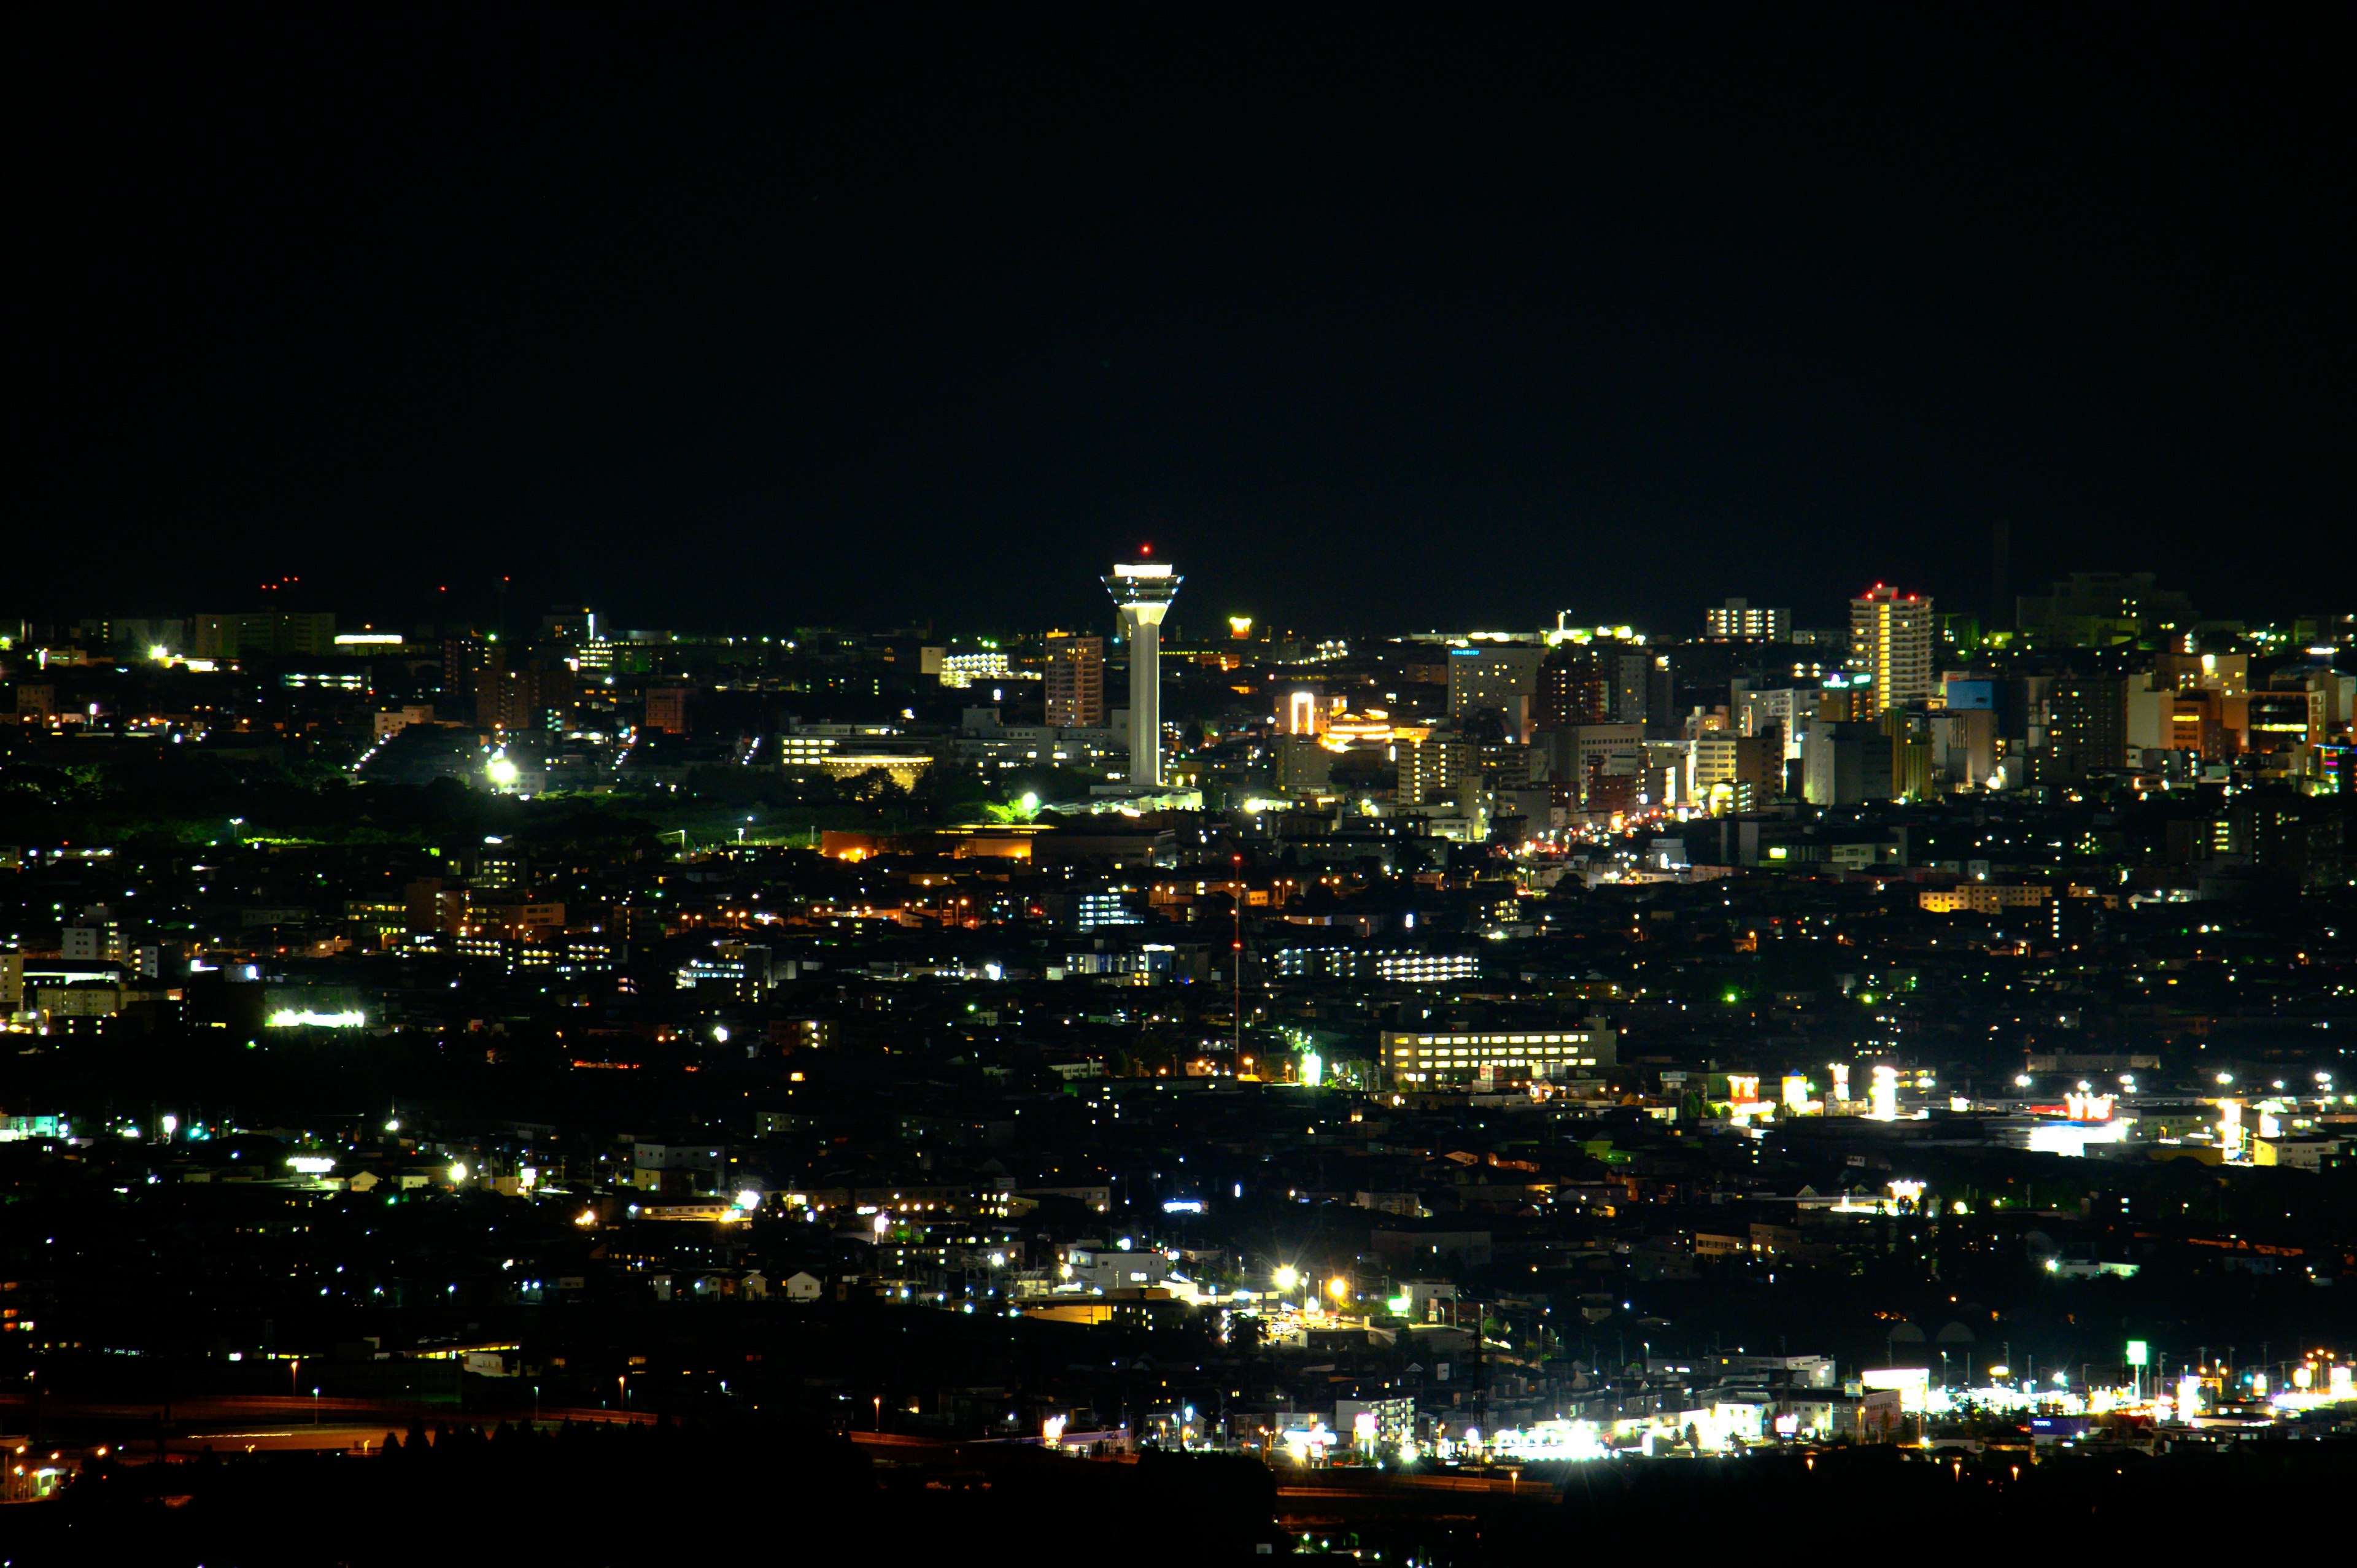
x: 1074, y: 672
x: 1892, y: 639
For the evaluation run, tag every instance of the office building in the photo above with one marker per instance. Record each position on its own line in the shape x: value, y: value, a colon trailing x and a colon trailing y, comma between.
x: 1609, y: 761
x: 1399, y: 966
x: 1845, y: 765
x: 1305, y: 711
x: 1142, y: 591
x: 959, y: 671
x: 1964, y: 749
x: 2097, y: 609
x: 1643, y: 689
x: 667, y: 709
x: 1785, y: 713
x: 2086, y: 720
x: 1891, y: 641
x: 1741, y: 618
x: 1504, y: 678
x: 2279, y: 721
x: 1914, y: 753
x: 1420, y: 1061
x: 1751, y: 766
x: 263, y: 633
x: 1075, y: 680
x: 1303, y: 765
x: 94, y: 941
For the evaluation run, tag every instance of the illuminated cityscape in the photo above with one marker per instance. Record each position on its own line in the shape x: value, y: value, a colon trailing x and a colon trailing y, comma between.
x: 1725, y: 919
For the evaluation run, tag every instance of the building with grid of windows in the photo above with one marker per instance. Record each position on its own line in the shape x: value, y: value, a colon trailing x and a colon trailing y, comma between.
x: 1398, y: 966
x: 1105, y: 908
x: 1075, y: 668
x: 1892, y: 642
x: 1419, y: 1061
x: 1742, y: 619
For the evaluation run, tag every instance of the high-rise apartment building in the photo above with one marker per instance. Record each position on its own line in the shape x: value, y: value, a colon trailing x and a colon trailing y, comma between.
x: 1742, y: 619
x: 1075, y: 681
x: 1891, y: 641
x: 1432, y: 763
x: 521, y: 699
x: 464, y: 657
x: 1575, y: 688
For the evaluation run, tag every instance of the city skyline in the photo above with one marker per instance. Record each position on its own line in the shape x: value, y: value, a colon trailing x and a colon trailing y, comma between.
x: 2128, y: 607
x: 1724, y: 912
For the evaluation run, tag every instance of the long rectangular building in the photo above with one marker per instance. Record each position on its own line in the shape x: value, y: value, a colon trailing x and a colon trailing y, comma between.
x: 1418, y: 1061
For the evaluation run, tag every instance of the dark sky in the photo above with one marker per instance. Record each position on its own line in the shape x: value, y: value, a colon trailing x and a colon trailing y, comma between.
x: 1369, y: 321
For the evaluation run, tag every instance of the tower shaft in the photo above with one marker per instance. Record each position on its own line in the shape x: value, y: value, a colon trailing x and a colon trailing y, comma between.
x: 1145, y: 693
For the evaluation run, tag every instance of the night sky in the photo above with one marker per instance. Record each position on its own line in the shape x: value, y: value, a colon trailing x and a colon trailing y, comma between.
x: 1371, y: 322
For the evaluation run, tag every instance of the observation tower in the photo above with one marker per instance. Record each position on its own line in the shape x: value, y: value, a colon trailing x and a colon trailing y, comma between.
x: 1142, y: 590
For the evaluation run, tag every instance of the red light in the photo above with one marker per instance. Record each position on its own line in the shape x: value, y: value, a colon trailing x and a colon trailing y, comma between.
x: 1146, y: 550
